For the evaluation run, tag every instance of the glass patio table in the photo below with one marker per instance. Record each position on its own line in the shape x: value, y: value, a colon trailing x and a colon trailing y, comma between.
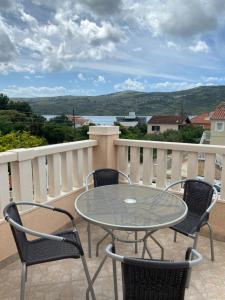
x: 130, y: 207
x: 126, y: 207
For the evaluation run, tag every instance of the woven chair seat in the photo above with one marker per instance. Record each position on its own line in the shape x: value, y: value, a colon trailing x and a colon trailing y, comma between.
x: 45, y: 250
x: 189, y: 225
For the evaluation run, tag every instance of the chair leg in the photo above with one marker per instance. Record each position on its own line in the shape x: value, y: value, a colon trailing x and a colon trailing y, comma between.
x: 99, y: 242
x: 115, y: 274
x: 189, y: 272
x: 136, y: 244
x: 23, y: 281
x: 195, y: 241
x: 175, y: 237
x: 88, y: 277
x: 89, y: 239
x: 211, y: 241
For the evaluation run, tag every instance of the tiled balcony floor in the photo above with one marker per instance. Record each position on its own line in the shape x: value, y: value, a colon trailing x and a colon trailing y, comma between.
x: 66, y: 279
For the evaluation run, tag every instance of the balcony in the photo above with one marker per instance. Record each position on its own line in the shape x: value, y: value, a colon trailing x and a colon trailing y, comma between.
x: 55, y: 174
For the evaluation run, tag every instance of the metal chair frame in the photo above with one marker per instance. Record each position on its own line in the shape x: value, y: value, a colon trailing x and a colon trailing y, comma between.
x: 206, y: 213
x: 89, y: 225
x: 193, y: 258
x: 49, y: 237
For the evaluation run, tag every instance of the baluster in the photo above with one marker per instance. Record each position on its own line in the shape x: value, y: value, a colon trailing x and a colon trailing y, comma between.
x: 177, y: 158
x: 54, y: 175
x: 161, y: 168
x: 66, y: 163
x: 147, y: 166
x: 122, y: 161
x: 135, y: 164
x: 40, y: 179
x: 192, y: 167
x: 21, y: 175
x: 4, y: 190
x: 78, y: 168
x: 222, y: 192
x: 209, y: 168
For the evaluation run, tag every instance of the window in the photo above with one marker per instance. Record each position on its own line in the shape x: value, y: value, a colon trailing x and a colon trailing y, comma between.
x: 156, y: 128
x: 219, y: 126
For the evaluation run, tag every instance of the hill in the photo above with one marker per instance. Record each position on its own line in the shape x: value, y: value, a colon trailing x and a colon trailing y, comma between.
x: 193, y: 101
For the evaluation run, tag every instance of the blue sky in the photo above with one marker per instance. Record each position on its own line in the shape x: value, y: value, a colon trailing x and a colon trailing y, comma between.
x: 94, y: 47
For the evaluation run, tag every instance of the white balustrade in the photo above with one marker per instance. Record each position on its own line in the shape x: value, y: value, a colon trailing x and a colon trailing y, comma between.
x: 43, y: 173
x: 185, y: 162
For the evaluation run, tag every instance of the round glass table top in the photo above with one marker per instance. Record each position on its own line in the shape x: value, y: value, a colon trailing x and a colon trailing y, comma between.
x: 130, y: 207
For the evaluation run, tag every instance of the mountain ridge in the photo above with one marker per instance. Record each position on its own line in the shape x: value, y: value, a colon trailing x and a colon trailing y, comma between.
x: 191, y: 101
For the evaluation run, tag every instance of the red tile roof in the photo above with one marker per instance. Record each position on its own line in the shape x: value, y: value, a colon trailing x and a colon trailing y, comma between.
x: 219, y: 113
x: 201, y: 119
x: 77, y: 119
x: 166, y: 120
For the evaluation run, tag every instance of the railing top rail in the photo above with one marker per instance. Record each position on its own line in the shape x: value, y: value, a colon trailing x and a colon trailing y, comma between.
x: 30, y: 153
x: 58, y: 148
x: 172, y: 146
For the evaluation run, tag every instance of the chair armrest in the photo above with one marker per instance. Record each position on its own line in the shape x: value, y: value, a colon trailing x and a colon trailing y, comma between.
x: 43, y: 235
x: 87, y: 179
x: 126, y: 176
x: 109, y: 251
x: 49, y: 207
x: 193, y: 257
x: 172, y: 184
x: 214, y: 200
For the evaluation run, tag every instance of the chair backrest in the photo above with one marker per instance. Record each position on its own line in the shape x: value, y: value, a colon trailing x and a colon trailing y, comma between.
x: 149, y: 279
x: 105, y: 177
x: 11, y: 211
x: 197, y: 195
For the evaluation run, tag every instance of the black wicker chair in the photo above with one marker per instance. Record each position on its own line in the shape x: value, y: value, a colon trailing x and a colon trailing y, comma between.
x: 47, y: 247
x: 104, y: 177
x: 145, y: 279
x: 198, y: 196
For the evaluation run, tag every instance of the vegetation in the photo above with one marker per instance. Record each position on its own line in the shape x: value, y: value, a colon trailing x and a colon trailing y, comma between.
x: 192, y: 101
x: 21, y: 128
x: 187, y: 134
x: 18, y: 139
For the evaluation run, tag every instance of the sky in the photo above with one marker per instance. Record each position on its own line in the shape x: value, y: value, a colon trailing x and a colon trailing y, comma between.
x: 95, y: 47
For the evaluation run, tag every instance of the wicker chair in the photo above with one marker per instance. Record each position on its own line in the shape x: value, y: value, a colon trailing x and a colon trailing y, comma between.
x: 198, y: 196
x: 154, y: 279
x: 47, y: 247
x: 104, y: 177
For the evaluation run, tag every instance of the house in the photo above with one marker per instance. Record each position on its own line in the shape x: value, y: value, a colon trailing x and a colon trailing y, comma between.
x: 202, y: 120
x: 217, y: 119
x: 78, y: 121
x: 161, y: 123
x: 131, y: 120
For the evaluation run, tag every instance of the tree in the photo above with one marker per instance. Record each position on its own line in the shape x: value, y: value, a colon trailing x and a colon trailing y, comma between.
x: 19, y: 106
x: 3, y: 101
x: 18, y: 139
x: 62, y: 120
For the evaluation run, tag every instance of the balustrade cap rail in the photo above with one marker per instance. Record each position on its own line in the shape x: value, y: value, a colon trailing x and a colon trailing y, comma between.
x: 172, y: 146
x: 30, y: 153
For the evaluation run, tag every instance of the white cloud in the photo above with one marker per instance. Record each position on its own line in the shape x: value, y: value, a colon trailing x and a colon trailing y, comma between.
x: 7, y: 48
x: 43, y: 91
x: 100, y: 80
x: 58, y: 44
x: 138, y: 49
x: 171, y: 86
x: 81, y: 76
x: 130, y: 84
x: 200, y: 46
